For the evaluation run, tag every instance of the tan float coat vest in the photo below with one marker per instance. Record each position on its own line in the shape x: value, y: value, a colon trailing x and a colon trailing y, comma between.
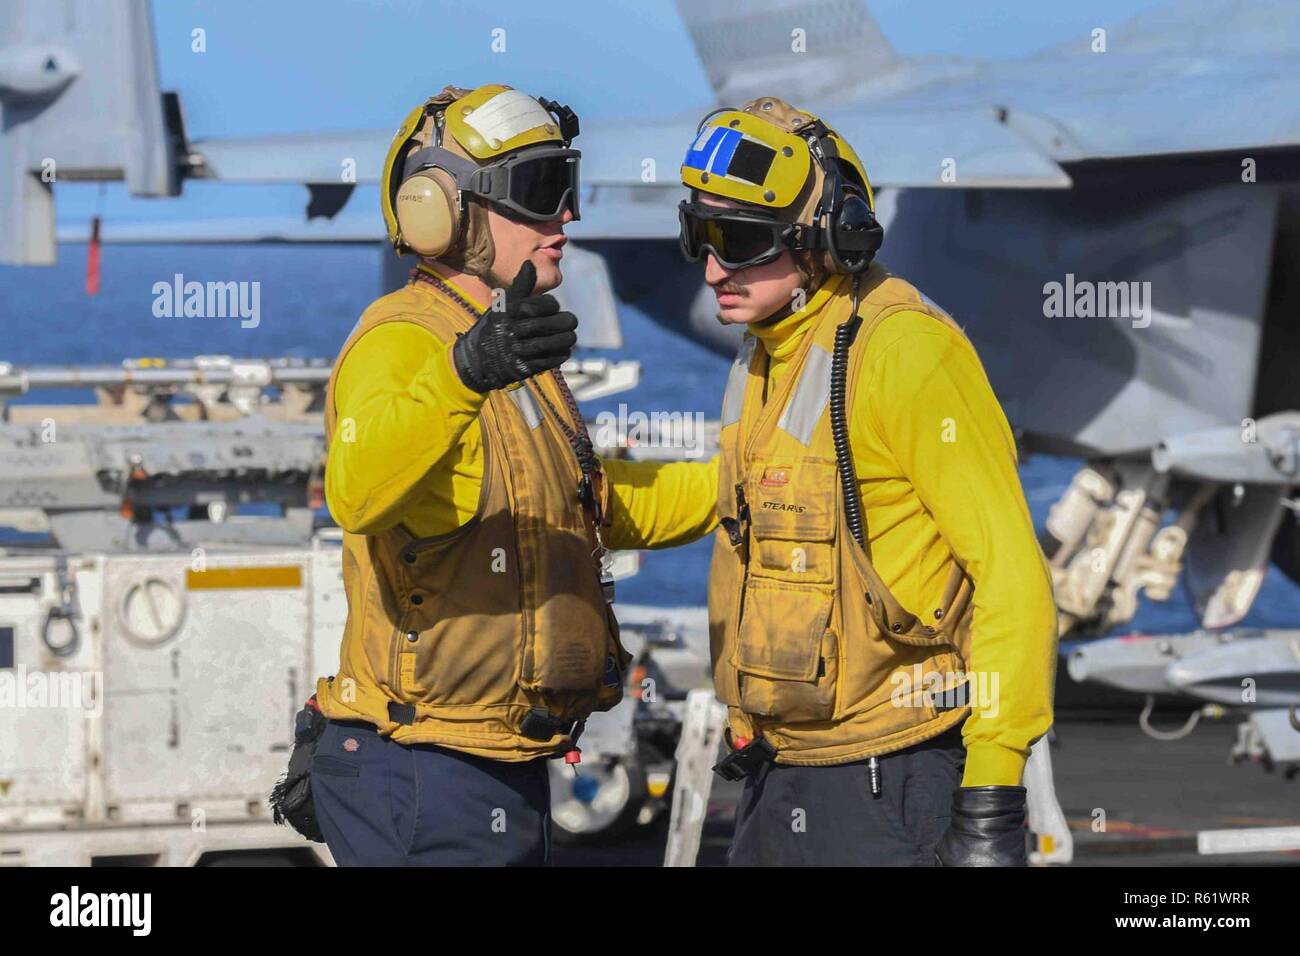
x: 809, y: 647
x: 476, y: 628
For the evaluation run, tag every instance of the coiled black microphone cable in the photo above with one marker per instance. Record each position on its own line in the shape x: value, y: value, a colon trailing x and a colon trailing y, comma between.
x: 844, y: 336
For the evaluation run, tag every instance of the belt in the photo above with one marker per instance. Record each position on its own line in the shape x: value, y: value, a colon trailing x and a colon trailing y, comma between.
x: 539, y: 724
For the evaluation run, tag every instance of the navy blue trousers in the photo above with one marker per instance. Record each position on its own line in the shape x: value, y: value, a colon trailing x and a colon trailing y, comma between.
x: 828, y: 816
x: 381, y: 803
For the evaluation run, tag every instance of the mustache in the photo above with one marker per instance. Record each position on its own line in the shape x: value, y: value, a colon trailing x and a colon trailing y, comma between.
x: 729, y: 288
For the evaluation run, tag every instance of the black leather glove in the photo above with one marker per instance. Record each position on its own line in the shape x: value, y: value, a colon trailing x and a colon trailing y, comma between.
x: 505, y: 346
x: 987, y: 828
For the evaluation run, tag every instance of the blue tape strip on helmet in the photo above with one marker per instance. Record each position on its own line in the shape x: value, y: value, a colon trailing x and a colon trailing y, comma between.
x: 716, y: 152
x: 728, y: 153
x: 726, y: 149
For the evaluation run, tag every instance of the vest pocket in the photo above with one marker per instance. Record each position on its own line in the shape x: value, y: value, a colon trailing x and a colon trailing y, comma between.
x: 939, y: 625
x: 568, y: 641
x: 786, y: 658
x: 793, y: 502
x: 799, y: 562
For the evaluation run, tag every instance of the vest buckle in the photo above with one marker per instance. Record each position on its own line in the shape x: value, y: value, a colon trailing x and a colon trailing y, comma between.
x: 739, y: 764
x: 401, y: 713
x: 540, y: 724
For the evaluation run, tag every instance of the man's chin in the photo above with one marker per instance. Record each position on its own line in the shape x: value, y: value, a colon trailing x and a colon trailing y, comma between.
x: 549, y: 275
x: 735, y: 316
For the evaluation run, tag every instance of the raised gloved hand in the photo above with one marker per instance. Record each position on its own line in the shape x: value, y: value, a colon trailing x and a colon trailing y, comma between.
x: 987, y: 828
x: 508, y: 345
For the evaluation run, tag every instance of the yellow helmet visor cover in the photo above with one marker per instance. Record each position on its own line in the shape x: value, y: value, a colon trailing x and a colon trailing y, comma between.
x: 742, y: 157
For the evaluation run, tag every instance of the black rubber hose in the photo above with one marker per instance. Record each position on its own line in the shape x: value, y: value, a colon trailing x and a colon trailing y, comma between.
x: 844, y: 336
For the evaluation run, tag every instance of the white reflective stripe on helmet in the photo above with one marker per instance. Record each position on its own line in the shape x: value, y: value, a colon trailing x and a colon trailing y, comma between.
x: 506, y: 115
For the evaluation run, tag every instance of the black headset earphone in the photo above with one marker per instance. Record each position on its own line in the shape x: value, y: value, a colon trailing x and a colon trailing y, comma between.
x: 852, y: 234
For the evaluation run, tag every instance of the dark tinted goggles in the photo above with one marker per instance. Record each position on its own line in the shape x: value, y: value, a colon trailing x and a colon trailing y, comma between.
x: 736, y: 239
x: 537, y: 185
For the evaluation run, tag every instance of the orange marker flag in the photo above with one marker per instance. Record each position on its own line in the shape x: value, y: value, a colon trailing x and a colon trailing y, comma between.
x: 92, y: 259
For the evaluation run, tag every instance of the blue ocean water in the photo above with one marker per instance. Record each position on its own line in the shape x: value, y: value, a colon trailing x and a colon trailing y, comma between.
x: 310, y: 297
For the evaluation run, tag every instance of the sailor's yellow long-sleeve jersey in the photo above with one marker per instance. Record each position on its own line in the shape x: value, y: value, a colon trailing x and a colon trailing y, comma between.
x: 417, y: 455
x: 416, y: 458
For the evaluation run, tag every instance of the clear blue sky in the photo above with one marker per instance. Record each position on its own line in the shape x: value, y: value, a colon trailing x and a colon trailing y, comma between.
x: 299, y: 65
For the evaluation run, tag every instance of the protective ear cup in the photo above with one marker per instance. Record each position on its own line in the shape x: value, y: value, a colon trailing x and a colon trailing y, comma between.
x: 428, y: 214
x: 857, y: 234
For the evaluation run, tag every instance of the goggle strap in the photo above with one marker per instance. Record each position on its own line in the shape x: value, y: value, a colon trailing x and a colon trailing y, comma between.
x: 815, y: 239
x: 491, y: 183
x: 808, y: 238
x: 486, y: 184
x: 461, y: 170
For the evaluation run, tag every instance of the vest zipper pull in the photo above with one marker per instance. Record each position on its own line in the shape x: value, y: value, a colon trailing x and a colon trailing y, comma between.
x: 573, y: 757
x: 873, y: 771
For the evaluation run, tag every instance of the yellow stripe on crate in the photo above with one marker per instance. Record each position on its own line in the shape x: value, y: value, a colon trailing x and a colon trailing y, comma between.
x: 288, y: 576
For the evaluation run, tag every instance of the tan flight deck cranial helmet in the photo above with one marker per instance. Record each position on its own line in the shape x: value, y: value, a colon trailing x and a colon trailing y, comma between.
x: 464, y: 148
x: 797, y: 172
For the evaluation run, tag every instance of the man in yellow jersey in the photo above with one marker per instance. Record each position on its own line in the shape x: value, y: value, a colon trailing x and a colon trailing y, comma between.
x: 881, y: 616
x: 479, y: 634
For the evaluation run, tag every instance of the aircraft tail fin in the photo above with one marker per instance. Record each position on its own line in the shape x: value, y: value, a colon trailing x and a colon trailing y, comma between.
x: 79, y: 100
x: 789, y: 48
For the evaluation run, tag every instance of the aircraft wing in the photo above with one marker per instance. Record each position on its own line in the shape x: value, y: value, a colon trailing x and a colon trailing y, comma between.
x: 629, y: 178
x: 1077, y: 106
x: 325, y: 158
x: 1190, y: 78
x: 1203, y: 77
x: 902, y: 149
x: 966, y: 149
x: 1194, y: 76
x: 628, y: 167
x: 359, y: 226
x: 630, y: 170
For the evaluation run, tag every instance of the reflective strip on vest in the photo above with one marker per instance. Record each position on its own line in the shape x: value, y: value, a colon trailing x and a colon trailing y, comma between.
x: 811, y: 395
x: 932, y: 304
x: 734, y: 398
x: 523, y: 400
